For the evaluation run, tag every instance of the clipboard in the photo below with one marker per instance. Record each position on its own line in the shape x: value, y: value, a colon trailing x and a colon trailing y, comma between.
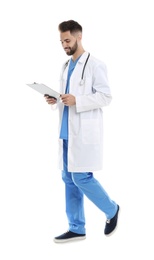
x: 45, y: 90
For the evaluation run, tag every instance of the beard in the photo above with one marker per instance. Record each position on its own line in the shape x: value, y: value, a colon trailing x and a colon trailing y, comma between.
x: 72, y: 50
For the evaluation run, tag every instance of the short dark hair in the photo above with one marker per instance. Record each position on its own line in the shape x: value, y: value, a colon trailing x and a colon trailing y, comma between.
x: 71, y: 26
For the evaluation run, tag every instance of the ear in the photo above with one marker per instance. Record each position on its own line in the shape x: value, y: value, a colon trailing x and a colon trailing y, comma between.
x: 79, y: 36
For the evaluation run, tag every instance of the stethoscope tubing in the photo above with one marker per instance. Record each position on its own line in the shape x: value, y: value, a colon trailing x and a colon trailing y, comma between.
x: 85, y: 66
x: 83, y: 70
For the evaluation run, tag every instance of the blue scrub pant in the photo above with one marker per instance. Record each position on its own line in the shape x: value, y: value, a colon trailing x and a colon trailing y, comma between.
x: 76, y: 186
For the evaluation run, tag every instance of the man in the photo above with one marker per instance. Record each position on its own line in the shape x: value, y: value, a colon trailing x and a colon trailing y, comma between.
x: 84, y: 92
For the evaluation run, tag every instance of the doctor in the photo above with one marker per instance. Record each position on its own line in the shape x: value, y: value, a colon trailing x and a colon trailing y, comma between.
x: 84, y: 92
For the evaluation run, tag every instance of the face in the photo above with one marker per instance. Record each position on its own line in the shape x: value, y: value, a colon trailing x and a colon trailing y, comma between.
x: 69, y: 42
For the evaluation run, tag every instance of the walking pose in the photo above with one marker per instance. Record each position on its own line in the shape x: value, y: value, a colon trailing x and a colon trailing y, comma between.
x: 84, y: 92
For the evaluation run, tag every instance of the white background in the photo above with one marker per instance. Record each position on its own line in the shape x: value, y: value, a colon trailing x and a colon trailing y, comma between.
x: 32, y: 209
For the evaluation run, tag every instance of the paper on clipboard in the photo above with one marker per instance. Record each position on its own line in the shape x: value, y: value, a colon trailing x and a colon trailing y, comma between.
x: 45, y: 90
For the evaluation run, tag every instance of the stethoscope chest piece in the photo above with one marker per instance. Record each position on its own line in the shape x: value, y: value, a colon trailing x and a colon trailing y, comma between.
x: 82, y: 82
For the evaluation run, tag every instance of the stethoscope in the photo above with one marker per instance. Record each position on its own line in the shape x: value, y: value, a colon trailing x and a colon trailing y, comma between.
x: 82, y: 76
x: 83, y: 70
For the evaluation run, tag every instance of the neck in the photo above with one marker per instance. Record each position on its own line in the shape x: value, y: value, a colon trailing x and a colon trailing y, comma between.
x: 77, y: 54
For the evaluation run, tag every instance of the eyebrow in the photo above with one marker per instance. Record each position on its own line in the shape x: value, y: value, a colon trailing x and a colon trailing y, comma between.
x: 65, y: 40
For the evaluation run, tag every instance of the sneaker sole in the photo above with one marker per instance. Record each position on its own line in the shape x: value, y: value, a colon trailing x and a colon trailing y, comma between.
x: 69, y: 239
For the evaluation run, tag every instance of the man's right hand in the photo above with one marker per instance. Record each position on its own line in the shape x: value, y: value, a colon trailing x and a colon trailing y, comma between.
x: 50, y: 100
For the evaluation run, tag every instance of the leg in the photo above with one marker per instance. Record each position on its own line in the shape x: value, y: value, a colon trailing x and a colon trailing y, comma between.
x: 74, y: 205
x: 74, y: 200
x: 95, y: 192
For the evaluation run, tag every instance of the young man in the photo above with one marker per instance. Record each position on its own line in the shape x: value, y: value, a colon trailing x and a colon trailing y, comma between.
x: 84, y: 92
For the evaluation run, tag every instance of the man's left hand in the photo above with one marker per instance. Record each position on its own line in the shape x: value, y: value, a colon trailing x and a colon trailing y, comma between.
x: 68, y: 99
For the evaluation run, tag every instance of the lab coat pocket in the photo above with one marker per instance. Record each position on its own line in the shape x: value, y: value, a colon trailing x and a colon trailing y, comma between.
x: 90, y: 131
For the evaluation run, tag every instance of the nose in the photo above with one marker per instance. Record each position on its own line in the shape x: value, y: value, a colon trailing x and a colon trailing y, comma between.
x: 65, y: 45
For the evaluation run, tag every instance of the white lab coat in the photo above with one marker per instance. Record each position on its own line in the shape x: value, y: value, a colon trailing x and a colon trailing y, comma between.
x: 85, y: 123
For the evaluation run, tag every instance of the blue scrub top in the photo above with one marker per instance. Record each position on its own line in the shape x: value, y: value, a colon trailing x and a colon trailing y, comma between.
x: 64, y: 125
